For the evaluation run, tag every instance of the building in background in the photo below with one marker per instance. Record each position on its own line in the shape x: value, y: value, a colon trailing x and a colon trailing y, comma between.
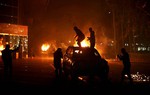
x: 11, y: 29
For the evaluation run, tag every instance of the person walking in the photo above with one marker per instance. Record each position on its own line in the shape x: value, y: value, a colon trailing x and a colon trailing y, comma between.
x: 79, y: 35
x: 7, y: 60
x: 125, y: 58
x: 58, y: 55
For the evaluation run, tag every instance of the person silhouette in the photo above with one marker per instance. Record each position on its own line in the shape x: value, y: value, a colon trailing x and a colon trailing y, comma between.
x: 79, y: 35
x: 58, y: 55
x: 92, y: 38
x: 7, y: 60
x: 124, y: 57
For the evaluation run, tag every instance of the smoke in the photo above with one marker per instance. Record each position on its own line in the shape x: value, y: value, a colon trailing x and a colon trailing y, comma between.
x: 55, y: 19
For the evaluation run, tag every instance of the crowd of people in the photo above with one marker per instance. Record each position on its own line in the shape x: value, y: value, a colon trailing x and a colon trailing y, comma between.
x: 58, y: 55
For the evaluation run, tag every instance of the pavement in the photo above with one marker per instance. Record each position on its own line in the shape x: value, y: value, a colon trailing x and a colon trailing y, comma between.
x: 68, y: 87
x: 36, y: 77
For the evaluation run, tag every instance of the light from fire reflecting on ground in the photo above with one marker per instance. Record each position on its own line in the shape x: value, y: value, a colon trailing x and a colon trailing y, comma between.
x: 140, y: 77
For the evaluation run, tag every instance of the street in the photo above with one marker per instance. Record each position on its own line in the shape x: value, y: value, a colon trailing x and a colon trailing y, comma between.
x: 36, y: 76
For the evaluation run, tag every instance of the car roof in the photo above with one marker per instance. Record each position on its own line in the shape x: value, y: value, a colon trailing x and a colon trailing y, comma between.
x: 84, y: 50
x: 76, y: 47
x: 80, y: 48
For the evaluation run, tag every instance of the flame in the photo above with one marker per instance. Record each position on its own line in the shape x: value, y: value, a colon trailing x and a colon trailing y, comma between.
x: 45, y: 47
x: 84, y: 43
x: 1, y: 48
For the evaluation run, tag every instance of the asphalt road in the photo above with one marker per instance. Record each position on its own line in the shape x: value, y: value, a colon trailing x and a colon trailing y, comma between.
x: 36, y: 76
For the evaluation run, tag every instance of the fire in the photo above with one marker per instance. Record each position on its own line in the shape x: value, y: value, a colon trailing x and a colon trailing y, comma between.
x: 1, y: 48
x: 45, y: 47
x: 84, y: 43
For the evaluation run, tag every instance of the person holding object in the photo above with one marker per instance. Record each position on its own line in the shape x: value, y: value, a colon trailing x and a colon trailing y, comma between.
x: 124, y: 57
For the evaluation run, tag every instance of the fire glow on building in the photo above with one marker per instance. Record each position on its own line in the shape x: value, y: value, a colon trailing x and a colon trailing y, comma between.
x: 14, y: 35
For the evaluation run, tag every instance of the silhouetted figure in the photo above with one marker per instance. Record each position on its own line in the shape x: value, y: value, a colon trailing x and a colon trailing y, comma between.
x: 124, y: 57
x: 80, y: 36
x: 7, y: 60
x: 58, y: 55
x: 92, y: 38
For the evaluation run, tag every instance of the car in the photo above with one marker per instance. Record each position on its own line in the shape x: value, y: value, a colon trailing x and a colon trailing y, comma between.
x: 84, y: 61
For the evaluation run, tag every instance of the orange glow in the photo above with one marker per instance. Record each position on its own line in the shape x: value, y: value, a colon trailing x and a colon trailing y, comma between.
x: 45, y: 47
x: 1, y: 48
x: 84, y: 43
x: 13, y: 29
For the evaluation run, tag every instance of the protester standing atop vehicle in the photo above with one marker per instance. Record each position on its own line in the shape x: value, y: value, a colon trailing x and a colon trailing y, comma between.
x: 79, y: 35
x: 92, y: 37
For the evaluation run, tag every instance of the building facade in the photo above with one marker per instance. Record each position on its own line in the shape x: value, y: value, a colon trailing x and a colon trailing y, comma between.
x: 11, y: 29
